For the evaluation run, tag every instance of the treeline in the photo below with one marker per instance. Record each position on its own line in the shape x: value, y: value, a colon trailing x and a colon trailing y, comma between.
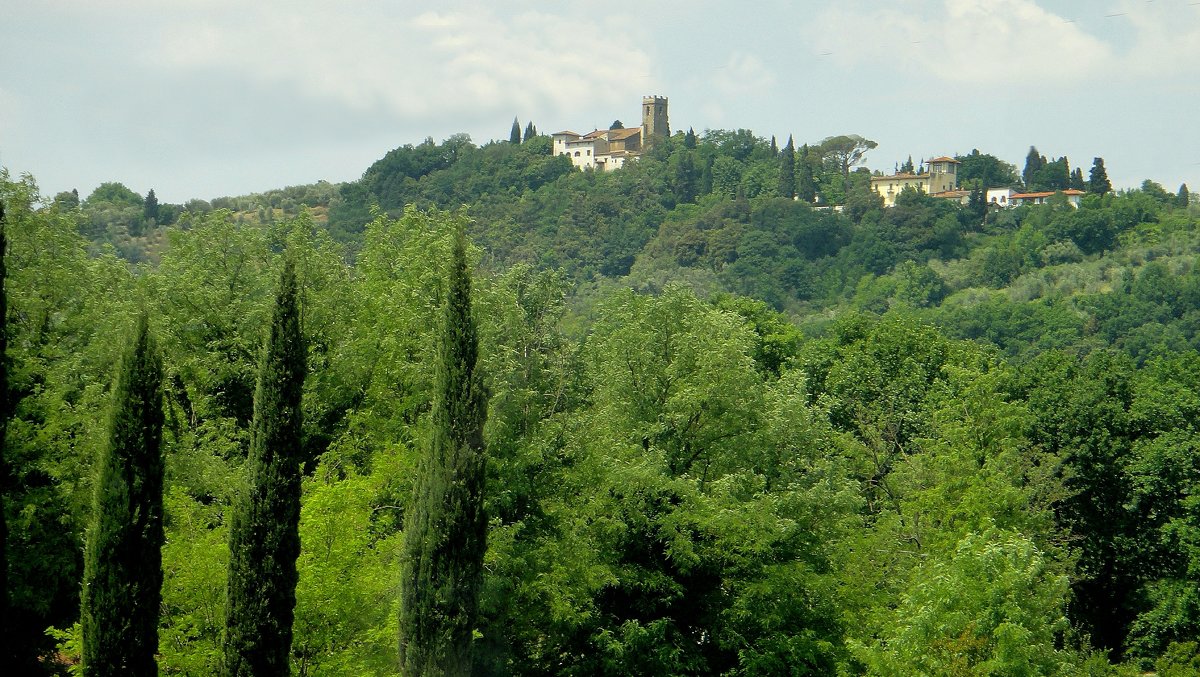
x: 978, y: 458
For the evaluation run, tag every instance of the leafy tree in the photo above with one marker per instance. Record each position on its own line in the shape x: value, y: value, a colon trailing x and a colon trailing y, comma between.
x: 787, y: 170
x: 616, y: 124
x: 122, y: 576
x: 845, y: 151
x: 264, y: 541
x: 1098, y: 183
x: 985, y: 171
x: 67, y: 200
x: 514, y: 135
x: 445, y: 525
x: 116, y: 194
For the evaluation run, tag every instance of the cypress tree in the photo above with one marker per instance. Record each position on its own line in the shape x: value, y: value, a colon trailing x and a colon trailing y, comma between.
x: 1077, y: 182
x: 1182, y: 199
x: 1033, y: 162
x: 806, y: 185
x: 1098, y: 182
x: 264, y: 537
x: 689, y: 139
x: 514, y: 134
x: 122, y: 575
x: 445, y: 527
x: 530, y: 131
x: 787, y: 170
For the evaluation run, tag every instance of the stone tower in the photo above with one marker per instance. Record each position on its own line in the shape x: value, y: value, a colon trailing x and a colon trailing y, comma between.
x: 654, y: 119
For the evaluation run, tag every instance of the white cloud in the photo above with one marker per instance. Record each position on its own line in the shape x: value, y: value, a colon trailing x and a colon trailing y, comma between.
x: 436, y: 63
x: 742, y: 74
x: 962, y: 41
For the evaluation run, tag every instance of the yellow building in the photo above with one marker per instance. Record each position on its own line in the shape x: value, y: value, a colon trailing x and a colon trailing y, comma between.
x: 941, y: 176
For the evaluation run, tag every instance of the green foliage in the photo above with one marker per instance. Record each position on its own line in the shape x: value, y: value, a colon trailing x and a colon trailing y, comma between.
x: 981, y: 170
x: 445, y: 524
x: 263, y: 536
x: 122, y: 575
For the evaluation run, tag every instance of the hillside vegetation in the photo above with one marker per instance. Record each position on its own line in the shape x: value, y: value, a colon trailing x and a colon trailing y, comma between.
x: 729, y: 430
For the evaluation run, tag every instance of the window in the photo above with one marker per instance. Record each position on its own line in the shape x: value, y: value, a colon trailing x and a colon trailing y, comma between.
x: 576, y: 153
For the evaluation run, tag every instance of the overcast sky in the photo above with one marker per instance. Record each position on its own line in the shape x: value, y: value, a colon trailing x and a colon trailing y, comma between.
x: 203, y: 98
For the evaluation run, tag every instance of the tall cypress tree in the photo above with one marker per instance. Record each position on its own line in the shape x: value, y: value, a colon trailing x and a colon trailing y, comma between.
x: 787, y: 170
x: 530, y: 132
x: 445, y: 529
x: 264, y: 537
x: 514, y: 134
x: 806, y: 184
x: 1033, y: 162
x: 1182, y: 199
x: 122, y: 575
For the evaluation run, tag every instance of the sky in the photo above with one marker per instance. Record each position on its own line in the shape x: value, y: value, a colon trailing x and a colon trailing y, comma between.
x: 206, y: 98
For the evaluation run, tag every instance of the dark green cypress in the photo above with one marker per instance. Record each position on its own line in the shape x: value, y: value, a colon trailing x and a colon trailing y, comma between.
x: 787, y: 170
x: 806, y: 184
x: 514, y: 134
x: 264, y: 536
x: 122, y: 575
x: 445, y: 531
x: 1098, y: 183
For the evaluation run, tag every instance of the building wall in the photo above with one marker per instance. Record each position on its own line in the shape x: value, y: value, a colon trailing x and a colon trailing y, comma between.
x: 889, y: 187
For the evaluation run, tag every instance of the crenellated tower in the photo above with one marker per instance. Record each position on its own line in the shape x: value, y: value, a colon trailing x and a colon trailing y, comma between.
x: 654, y: 119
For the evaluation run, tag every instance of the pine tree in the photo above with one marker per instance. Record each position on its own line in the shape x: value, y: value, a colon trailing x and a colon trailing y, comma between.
x: 122, y: 576
x: 787, y: 170
x: 908, y: 167
x: 1098, y: 182
x: 514, y: 135
x: 1182, y: 199
x: 806, y: 185
x: 530, y: 132
x: 264, y: 539
x: 445, y: 527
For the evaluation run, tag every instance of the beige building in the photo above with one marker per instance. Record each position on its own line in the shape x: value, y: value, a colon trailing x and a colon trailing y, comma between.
x: 608, y: 149
x: 940, y: 177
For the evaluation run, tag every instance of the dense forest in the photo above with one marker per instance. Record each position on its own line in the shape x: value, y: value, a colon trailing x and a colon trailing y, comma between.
x: 736, y: 417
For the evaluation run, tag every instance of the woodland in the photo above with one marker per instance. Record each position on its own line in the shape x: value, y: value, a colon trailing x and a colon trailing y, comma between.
x: 723, y: 427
